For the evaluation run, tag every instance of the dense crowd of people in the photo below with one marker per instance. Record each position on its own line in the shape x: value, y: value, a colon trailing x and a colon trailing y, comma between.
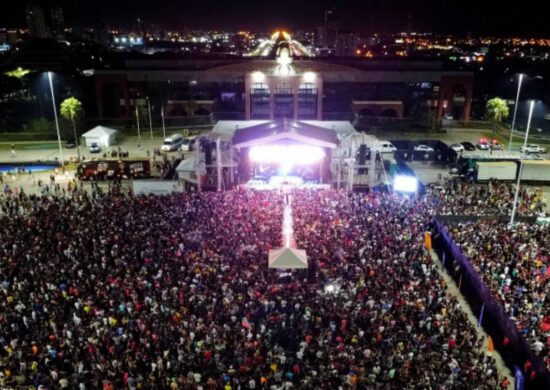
x: 515, y: 265
x: 457, y: 197
x: 109, y: 291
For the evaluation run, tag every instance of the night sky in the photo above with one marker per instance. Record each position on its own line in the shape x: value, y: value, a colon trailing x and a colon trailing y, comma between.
x: 481, y: 17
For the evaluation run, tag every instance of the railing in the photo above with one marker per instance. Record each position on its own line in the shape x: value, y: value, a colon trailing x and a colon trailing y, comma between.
x: 494, y: 319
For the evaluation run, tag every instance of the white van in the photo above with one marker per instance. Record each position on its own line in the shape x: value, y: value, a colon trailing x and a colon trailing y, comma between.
x: 188, y: 144
x: 386, y: 147
x: 172, y: 143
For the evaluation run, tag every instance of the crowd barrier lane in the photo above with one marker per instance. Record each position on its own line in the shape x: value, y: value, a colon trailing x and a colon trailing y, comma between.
x: 507, y: 339
x: 454, y: 219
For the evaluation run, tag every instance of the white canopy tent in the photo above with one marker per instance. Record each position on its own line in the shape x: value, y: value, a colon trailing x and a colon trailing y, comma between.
x: 185, y: 169
x: 287, y: 258
x: 103, y: 136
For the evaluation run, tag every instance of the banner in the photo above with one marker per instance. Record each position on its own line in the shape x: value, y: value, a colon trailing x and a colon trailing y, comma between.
x: 156, y: 187
x: 113, y: 169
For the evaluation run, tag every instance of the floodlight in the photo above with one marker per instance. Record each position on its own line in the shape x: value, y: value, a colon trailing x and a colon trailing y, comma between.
x: 402, y: 183
x: 309, y: 77
x: 258, y: 77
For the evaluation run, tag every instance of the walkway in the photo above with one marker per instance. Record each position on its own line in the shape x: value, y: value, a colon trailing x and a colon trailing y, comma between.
x: 453, y: 290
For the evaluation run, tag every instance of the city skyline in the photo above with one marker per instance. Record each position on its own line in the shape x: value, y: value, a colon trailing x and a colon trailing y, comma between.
x: 480, y: 18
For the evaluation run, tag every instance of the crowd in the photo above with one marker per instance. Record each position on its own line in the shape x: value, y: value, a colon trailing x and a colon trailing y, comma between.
x: 457, y: 197
x: 118, y: 291
x: 515, y: 265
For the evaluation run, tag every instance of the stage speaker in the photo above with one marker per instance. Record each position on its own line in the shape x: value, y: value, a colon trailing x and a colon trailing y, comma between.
x: 208, y: 153
x: 362, y: 158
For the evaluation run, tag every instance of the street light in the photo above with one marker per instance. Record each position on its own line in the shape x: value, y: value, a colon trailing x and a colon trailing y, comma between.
x: 56, y: 120
x: 515, y: 112
x: 137, y: 120
x: 150, y: 120
x: 514, y: 207
x: 163, y: 125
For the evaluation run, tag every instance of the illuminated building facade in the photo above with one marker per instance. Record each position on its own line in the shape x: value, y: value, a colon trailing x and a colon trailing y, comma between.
x: 281, y: 80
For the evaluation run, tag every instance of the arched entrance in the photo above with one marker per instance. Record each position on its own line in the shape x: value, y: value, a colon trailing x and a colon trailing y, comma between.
x: 388, y: 113
x: 111, y: 95
x: 456, y: 104
x: 366, y: 112
x: 201, y: 111
x: 455, y: 97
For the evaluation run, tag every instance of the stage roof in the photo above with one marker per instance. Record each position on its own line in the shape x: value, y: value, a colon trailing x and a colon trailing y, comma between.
x: 320, y: 133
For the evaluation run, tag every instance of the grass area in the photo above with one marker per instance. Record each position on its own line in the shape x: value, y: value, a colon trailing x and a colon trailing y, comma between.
x: 27, y: 137
x: 28, y: 146
x: 410, y: 136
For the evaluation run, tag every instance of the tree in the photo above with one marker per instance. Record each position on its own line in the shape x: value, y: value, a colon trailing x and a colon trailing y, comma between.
x: 496, y: 111
x: 71, y: 109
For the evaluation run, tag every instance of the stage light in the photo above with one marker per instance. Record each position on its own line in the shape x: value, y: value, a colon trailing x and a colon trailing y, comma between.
x: 258, y: 77
x: 407, y: 184
x: 309, y: 77
x: 286, y: 155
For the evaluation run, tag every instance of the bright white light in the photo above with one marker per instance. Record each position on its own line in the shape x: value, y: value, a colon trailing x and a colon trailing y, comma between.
x: 287, y: 226
x: 258, y: 77
x: 403, y: 183
x: 124, y: 39
x: 329, y: 288
x: 116, y: 40
x: 132, y: 39
x: 288, y: 155
x: 309, y: 77
x: 284, y: 60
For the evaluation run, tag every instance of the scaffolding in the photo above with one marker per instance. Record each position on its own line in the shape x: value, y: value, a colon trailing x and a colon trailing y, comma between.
x: 345, y: 165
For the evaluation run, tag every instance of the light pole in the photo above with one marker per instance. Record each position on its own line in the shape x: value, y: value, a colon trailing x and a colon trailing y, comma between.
x: 163, y: 125
x: 515, y: 112
x: 137, y: 120
x: 514, y: 207
x: 150, y: 119
x: 56, y: 120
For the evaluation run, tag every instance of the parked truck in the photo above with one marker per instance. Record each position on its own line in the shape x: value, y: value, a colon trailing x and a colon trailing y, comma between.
x: 499, y: 170
x: 536, y: 170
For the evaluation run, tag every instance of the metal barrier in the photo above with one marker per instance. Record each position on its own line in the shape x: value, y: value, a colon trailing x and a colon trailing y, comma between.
x: 515, y: 352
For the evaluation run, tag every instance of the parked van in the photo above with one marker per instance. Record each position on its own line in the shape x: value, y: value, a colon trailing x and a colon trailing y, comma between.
x: 188, y: 144
x: 172, y: 143
x: 386, y: 147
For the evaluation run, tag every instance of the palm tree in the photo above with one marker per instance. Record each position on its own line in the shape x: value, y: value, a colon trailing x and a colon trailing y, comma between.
x: 496, y: 110
x: 71, y: 109
x: 18, y: 73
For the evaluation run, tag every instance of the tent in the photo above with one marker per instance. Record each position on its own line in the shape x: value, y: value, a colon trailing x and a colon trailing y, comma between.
x: 287, y: 258
x: 103, y: 136
x: 185, y: 168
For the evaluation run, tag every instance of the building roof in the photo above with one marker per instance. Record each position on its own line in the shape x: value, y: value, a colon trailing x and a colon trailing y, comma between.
x: 99, y: 131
